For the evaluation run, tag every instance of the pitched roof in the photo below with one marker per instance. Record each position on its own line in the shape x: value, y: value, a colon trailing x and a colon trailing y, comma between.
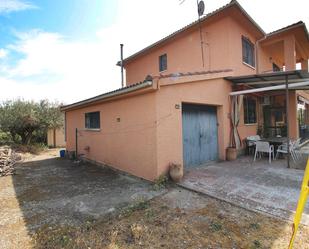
x: 291, y: 26
x: 117, y: 92
x: 230, y: 4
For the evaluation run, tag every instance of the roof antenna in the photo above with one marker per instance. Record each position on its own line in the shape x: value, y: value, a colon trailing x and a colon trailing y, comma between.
x: 200, y: 11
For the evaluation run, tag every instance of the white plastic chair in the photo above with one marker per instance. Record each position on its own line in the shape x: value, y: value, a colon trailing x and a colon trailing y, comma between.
x: 250, y: 141
x: 264, y: 147
x: 296, y: 149
x: 283, y: 149
x: 253, y: 139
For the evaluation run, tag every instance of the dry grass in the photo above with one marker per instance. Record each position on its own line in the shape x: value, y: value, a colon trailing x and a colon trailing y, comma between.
x: 155, y: 225
x: 34, y: 149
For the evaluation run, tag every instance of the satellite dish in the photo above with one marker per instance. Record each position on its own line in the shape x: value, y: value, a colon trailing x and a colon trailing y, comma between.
x: 200, y: 8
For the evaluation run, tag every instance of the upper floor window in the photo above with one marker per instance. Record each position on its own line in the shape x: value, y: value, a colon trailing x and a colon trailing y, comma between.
x: 92, y: 120
x: 162, y: 62
x: 249, y: 110
x: 248, y: 52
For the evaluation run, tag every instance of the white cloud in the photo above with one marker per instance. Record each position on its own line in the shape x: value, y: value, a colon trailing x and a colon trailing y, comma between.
x: 3, y: 53
x: 54, y: 66
x: 7, y: 6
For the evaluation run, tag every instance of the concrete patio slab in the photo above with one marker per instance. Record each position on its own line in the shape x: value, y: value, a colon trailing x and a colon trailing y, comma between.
x: 268, y: 188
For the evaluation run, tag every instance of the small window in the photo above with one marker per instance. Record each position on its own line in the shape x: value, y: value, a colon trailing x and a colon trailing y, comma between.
x: 92, y: 120
x: 163, y: 62
x: 249, y: 110
x: 248, y: 52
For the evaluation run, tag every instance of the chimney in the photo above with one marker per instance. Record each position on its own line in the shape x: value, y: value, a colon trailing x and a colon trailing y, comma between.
x: 121, y: 58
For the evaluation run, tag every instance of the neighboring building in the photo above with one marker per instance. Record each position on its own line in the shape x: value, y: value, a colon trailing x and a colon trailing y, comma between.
x: 55, y: 137
x: 181, y: 114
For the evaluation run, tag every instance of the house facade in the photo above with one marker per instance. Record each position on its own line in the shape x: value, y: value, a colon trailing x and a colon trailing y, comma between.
x: 176, y: 106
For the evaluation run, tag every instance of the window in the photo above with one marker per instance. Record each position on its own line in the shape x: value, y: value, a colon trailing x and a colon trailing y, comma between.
x: 249, y: 110
x: 248, y: 52
x: 92, y: 120
x: 162, y: 62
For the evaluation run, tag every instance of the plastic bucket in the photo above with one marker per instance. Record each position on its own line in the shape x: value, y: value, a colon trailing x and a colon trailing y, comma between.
x: 62, y: 153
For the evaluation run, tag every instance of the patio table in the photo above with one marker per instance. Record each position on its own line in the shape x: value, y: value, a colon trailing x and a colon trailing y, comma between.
x: 276, y: 141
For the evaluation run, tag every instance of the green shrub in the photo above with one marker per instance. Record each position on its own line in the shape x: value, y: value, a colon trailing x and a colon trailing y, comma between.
x: 5, y: 138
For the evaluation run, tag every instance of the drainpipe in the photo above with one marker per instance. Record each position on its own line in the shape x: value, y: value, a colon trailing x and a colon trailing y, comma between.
x: 256, y: 56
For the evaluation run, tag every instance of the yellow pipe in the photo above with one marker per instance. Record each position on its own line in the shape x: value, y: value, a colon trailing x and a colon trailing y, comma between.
x: 301, y: 204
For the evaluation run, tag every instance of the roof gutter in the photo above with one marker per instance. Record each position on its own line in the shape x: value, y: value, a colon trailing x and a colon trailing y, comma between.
x: 104, y: 96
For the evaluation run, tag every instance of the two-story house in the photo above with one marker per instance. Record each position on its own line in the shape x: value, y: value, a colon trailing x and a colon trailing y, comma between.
x: 176, y: 105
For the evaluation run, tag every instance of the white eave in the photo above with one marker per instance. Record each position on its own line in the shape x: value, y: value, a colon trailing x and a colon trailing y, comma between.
x: 107, y: 95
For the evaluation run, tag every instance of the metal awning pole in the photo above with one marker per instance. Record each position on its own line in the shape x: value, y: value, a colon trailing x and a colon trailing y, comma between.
x: 76, y: 145
x: 287, y: 119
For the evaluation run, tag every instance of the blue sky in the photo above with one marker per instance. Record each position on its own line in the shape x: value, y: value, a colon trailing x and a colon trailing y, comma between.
x: 66, y: 50
x: 72, y: 17
x: 75, y: 19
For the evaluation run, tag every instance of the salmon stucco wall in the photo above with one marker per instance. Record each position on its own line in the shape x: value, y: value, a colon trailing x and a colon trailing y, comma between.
x: 222, y: 37
x: 128, y: 144
x: 55, y: 138
x: 169, y: 133
x: 184, y: 53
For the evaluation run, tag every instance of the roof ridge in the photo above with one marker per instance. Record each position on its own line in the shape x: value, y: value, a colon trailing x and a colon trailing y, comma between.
x: 212, y: 13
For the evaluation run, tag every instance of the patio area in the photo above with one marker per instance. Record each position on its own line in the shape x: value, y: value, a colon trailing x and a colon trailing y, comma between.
x: 259, y: 186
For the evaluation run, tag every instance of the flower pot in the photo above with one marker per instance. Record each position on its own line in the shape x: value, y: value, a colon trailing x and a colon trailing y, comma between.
x: 176, y: 172
x: 231, y: 153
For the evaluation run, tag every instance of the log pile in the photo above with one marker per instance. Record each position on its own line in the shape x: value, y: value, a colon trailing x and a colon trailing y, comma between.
x: 8, y: 159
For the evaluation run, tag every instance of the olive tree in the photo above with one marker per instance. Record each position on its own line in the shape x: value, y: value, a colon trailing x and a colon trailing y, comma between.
x: 29, y: 120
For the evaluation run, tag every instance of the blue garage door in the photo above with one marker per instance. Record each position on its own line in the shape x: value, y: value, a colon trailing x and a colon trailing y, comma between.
x: 200, y: 134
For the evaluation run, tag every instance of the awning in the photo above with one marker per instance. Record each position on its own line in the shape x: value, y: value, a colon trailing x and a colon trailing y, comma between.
x: 304, y: 85
x: 270, y: 79
x: 287, y: 80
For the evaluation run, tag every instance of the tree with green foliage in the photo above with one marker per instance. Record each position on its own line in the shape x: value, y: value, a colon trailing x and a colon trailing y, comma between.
x: 28, y: 121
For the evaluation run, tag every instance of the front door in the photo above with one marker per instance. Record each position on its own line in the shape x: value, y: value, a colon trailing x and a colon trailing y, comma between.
x: 200, y: 134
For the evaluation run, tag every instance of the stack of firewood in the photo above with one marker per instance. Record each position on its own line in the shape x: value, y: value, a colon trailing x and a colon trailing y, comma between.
x: 8, y: 158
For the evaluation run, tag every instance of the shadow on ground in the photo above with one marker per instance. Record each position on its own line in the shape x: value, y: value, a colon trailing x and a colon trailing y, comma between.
x: 55, y: 191
x: 49, y: 193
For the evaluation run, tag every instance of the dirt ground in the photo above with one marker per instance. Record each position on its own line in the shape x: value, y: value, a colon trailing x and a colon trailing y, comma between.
x: 48, y: 190
x: 177, y: 219
x: 169, y: 218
